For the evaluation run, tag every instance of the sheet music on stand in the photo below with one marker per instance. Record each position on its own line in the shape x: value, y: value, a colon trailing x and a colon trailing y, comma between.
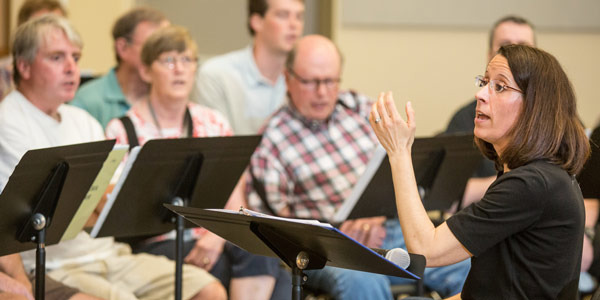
x: 276, y: 236
x: 252, y: 213
x: 301, y: 244
x: 110, y: 198
x: 96, y: 192
x: 344, y: 211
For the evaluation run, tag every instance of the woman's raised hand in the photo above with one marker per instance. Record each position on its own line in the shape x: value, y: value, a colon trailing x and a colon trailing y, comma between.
x: 394, y: 134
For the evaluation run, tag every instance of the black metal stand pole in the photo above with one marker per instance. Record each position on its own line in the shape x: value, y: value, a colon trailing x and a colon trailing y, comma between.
x: 39, y: 223
x: 297, y: 277
x: 179, y: 228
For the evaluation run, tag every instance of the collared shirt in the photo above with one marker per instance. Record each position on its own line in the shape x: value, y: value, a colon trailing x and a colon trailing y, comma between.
x: 102, y: 98
x: 232, y: 84
x: 308, y: 166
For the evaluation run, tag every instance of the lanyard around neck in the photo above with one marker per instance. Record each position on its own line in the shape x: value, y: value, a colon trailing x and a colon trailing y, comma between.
x: 187, y: 122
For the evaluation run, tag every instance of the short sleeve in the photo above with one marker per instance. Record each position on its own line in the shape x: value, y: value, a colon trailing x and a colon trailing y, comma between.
x: 12, y: 147
x: 116, y: 130
x: 511, y: 204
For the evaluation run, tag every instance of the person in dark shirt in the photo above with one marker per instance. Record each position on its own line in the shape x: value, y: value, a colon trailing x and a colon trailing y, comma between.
x: 525, y: 236
x: 588, y: 180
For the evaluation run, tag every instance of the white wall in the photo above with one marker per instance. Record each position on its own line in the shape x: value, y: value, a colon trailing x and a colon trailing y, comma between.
x: 435, y: 67
x: 93, y: 19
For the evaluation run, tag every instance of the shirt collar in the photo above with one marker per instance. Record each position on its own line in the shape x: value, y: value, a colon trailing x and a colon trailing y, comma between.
x: 344, y: 100
x: 252, y: 74
x: 114, y: 93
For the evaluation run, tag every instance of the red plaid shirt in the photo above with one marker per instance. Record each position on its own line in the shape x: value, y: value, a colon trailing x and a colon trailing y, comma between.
x: 310, y: 167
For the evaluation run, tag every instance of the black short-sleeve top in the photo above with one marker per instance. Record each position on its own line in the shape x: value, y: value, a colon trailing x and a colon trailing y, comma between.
x: 525, y: 235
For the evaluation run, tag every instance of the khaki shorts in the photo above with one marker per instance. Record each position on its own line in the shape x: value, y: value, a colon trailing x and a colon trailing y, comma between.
x: 128, y: 276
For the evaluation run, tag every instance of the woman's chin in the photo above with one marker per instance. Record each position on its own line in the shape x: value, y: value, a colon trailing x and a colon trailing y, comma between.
x: 175, y: 97
x: 480, y: 134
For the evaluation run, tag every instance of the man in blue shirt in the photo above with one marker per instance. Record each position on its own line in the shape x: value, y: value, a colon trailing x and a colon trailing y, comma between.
x: 111, y: 95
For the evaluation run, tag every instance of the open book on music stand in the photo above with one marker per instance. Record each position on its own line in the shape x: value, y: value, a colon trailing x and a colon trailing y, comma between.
x: 590, y: 175
x: 301, y: 244
x: 50, y: 193
x: 197, y: 172
x: 443, y: 165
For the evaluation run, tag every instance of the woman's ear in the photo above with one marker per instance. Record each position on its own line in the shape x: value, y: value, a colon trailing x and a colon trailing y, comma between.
x: 145, y: 73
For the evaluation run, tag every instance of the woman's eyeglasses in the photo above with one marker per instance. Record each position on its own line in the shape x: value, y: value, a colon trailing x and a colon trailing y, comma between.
x: 170, y: 61
x: 495, y: 86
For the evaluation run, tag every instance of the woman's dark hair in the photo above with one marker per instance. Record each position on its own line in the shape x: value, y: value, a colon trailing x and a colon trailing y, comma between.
x: 548, y: 126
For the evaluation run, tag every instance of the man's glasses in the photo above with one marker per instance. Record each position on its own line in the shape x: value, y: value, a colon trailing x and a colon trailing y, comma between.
x: 494, y: 85
x: 170, y: 61
x: 313, y: 84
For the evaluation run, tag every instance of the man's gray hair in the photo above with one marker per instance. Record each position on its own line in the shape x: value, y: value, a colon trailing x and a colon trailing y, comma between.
x: 29, y: 36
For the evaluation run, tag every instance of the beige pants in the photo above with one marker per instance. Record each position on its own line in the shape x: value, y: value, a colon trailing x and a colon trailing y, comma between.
x: 54, y: 290
x: 127, y: 276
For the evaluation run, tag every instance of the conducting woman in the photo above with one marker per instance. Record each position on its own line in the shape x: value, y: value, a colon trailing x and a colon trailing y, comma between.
x: 524, y: 237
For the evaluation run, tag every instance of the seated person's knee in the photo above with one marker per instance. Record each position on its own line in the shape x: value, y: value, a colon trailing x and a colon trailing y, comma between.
x: 213, y: 290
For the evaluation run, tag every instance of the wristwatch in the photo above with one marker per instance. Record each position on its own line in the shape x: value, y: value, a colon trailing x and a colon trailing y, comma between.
x: 590, y: 232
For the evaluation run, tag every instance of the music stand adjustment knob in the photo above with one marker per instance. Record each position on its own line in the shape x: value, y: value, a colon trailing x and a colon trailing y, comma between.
x: 39, y: 221
x: 302, y: 260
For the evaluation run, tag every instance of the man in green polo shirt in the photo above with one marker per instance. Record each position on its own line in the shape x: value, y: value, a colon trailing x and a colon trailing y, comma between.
x: 111, y: 95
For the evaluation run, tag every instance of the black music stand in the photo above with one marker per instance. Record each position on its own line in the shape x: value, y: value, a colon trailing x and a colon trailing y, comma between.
x: 42, y: 196
x: 588, y: 177
x: 443, y: 165
x: 198, y: 172
x: 301, y: 246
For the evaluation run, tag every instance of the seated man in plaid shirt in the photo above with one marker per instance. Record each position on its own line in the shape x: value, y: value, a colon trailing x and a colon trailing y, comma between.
x: 312, y: 153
